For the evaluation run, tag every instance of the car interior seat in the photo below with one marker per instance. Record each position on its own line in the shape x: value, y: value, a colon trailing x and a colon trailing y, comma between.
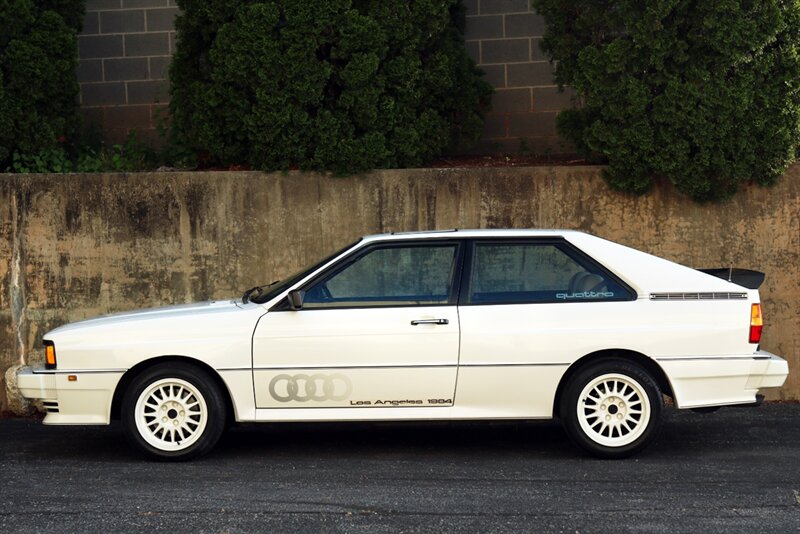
x: 585, y: 281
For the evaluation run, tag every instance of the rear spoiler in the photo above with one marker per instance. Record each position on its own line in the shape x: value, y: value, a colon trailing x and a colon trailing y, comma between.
x: 743, y: 277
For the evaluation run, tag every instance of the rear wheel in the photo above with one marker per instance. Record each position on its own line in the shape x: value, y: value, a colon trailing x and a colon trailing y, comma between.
x: 612, y: 408
x: 173, y: 412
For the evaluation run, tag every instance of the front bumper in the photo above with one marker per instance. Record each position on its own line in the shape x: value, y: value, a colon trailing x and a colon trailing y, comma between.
x: 83, y: 400
x: 36, y: 385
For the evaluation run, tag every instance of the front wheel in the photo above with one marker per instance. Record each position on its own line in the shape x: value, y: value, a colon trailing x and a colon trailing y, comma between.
x: 173, y: 412
x: 612, y: 408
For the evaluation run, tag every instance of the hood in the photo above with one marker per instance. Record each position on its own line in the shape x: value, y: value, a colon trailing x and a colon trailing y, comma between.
x: 196, y: 312
x: 218, y: 333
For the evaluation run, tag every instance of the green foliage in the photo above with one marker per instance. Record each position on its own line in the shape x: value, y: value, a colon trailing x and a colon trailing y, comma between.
x: 341, y: 85
x: 38, y: 89
x: 47, y: 160
x: 132, y: 155
x: 705, y: 94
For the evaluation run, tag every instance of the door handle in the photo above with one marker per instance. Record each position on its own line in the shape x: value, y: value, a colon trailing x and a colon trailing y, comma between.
x: 429, y: 321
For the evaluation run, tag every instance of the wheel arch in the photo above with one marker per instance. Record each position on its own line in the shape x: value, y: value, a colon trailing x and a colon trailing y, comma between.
x: 650, y: 365
x: 136, y: 370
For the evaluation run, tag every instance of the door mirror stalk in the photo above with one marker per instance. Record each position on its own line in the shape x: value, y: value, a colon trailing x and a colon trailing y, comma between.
x: 296, y: 298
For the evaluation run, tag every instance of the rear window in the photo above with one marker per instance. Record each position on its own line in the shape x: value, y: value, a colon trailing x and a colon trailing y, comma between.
x: 538, y: 272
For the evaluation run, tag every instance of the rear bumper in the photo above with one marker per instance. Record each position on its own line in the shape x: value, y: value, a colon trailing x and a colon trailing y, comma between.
x: 85, y: 400
x: 776, y: 372
x: 723, y: 380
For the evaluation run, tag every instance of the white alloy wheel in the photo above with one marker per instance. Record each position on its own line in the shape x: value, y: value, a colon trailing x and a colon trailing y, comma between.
x: 613, y: 410
x: 171, y: 414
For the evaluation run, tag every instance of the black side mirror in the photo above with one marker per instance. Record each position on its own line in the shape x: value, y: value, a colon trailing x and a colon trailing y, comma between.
x: 296, y: 298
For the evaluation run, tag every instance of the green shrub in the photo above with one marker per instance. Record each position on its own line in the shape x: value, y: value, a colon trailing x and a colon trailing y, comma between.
x: 38, y: 89
x: 702, y: 93
x: 131, y: 155
x: 341, y: 85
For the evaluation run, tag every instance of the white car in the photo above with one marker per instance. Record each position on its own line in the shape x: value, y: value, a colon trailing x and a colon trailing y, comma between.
x: 477, y: 324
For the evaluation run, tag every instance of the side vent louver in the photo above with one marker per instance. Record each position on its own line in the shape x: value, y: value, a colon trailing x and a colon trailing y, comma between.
x: 698, y: 296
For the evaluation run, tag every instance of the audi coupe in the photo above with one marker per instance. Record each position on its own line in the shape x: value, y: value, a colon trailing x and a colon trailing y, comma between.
x: 444, y: 325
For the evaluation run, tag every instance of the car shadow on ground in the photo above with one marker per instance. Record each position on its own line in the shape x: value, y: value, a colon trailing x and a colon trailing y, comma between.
x: 682, y: 433
x: 419, y: 438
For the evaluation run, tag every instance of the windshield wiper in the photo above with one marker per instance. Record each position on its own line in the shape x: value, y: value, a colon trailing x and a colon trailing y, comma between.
x: 249, y: 292
x: 258, y: 290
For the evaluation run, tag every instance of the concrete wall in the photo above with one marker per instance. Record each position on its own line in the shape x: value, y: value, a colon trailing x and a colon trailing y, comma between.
x: 74, y: 246
x: 126, y: 47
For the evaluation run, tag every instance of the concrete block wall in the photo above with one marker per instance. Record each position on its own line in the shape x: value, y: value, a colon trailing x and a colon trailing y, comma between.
x: 126, y: 47
x: 125, y: 51
x: 502, y: 37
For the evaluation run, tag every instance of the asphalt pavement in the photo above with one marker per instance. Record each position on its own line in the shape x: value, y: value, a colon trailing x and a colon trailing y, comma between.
x: 736, y: 470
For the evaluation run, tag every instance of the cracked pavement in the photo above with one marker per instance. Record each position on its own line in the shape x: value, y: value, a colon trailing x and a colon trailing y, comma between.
x: 736, y: 470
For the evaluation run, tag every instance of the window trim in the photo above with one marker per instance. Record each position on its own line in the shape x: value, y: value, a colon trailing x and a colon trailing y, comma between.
x: 282, y: 285
x: 349, y: 259
x: 559, y: 242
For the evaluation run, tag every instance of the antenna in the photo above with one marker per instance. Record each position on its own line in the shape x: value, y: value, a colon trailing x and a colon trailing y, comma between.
x: 730, y: 273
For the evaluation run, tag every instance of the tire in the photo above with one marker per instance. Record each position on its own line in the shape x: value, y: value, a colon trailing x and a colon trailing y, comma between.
x: 173, y: 411
x: 612, y: 408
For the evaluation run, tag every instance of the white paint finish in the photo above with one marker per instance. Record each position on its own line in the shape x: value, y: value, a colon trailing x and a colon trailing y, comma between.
x: 775, y: 373
x: 35, y: 385
x: 239, y: 383
x: 217, y: 333
x: 645, y: 272
x: 718, y: 381
x: 509, y: 391
x: 267, y: 415
x: 87, y: 400
x: 401, y: 358
x: 564, y: 332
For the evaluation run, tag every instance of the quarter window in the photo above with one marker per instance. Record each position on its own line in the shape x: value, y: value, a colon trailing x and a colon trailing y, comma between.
x: 390, y: 276
x: 530, y: 272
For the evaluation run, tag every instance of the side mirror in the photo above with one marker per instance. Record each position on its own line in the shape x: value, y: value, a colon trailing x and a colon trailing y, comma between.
x: 296, y: 298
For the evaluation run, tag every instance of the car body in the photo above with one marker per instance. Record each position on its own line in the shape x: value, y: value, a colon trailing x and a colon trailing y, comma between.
x: 476, y: 324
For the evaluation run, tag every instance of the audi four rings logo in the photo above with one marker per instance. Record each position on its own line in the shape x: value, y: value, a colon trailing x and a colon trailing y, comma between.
x: 316, y: 387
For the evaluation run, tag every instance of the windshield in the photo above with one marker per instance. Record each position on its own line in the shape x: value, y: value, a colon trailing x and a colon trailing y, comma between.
x: 272, y: 290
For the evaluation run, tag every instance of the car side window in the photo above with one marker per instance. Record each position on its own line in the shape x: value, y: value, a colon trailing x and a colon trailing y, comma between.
x: 389, y: 276
x: 537, y: 272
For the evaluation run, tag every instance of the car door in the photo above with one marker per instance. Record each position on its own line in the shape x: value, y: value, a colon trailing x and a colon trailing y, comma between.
x: 530, y: 308
x: 378, y: 329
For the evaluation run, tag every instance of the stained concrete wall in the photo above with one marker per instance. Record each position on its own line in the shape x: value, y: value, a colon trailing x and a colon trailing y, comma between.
x: 74, y: 246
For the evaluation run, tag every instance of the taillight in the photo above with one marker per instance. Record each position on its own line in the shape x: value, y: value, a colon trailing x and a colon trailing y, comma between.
x: 756, y: 323
x: 49, y: 355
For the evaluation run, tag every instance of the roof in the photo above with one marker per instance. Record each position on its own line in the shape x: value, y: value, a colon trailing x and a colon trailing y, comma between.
x: 482, y: 232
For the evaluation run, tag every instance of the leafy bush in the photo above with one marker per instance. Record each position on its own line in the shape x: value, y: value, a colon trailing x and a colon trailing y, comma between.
x: 703, y: 93
x: 38, y: 89
x: 132, y: 155
x: 342, y: 85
